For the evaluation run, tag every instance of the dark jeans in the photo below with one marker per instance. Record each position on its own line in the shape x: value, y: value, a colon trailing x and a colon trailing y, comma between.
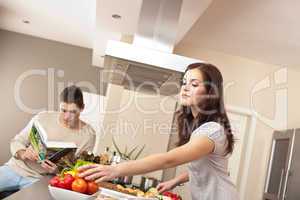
x: 7, y: 193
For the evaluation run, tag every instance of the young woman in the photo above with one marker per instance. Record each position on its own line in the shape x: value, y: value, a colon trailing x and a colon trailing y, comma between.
x: 205, y: 141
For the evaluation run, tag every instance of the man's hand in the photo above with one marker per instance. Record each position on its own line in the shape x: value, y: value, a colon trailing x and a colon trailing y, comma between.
x: 49, y: 166
x: 28, y: 154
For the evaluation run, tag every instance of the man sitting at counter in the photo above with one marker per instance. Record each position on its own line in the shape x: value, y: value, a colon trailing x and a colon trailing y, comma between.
x: 23, y: 169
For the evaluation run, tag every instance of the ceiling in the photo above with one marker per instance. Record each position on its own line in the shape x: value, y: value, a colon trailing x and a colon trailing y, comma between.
x: 86, y: 23
x: 263, y: 30
x: 68, y: 21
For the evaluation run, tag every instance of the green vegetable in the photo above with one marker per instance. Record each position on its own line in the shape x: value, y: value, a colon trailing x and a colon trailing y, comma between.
x: 80, y: 163
x: 159, y: 197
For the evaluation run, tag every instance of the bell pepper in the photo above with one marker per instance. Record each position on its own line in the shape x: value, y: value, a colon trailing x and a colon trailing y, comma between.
x: 172, y: 195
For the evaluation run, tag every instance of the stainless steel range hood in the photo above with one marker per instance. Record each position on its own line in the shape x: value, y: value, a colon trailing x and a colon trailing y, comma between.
x: 148, y: 64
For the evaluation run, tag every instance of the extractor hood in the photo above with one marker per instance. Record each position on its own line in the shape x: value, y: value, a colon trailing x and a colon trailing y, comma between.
x: 149, y: 64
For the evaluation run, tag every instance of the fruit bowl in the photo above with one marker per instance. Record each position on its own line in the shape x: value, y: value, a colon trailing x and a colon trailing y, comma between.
x: 63, y: 194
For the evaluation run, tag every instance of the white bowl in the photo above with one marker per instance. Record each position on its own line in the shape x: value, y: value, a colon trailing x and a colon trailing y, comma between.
x: 62, y: 194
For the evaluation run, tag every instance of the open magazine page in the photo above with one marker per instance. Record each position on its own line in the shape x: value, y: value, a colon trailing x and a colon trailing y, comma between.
x: 51, y: 150
x: 37, y: 142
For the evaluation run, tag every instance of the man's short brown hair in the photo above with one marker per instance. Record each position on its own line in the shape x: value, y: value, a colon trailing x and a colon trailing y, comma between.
x: 72, y: 94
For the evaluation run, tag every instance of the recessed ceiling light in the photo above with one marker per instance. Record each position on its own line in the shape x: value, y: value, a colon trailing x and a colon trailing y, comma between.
x: 26, y: 22
x: 116, y: 16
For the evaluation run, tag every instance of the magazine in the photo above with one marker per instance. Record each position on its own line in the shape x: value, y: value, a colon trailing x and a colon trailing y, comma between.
x: 51, y: 150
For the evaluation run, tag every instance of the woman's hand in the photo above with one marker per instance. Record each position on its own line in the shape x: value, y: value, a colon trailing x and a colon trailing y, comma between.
x: 166, y: 186
x: 98, y: 173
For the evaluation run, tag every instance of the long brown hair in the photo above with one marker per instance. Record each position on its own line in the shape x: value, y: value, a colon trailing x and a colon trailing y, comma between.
x: 212, y: 107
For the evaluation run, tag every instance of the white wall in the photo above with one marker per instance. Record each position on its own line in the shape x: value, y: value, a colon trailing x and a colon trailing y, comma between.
x: 139, y: 119
x: 21, y: 54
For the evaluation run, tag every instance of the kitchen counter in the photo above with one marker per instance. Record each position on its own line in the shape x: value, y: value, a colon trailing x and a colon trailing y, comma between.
x: 38, y: 190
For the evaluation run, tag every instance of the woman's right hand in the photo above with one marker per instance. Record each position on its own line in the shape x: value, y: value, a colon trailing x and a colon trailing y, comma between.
x: 98, y: 173
x: 166, y: 186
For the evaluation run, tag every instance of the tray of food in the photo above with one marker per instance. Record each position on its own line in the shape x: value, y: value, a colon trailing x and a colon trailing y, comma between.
x: 117, y: 191
x: 123, y: 192
x: 68, y: 186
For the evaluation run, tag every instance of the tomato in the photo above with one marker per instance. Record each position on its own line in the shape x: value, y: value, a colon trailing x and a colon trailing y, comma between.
x: 64, y: 182
x: 92, y: 188
x: 68, y: 180
x: 54, y: 181
x: 79, y: 185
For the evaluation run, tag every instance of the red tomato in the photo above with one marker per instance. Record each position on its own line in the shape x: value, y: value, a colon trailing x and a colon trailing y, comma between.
x: 62, y: 184
x: 68, y: 180
x: 92, y: 188
x: 54, y: 181
x: 79, y: 185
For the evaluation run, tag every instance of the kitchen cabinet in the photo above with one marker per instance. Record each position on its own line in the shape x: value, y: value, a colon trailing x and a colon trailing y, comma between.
x: 283, y: 177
